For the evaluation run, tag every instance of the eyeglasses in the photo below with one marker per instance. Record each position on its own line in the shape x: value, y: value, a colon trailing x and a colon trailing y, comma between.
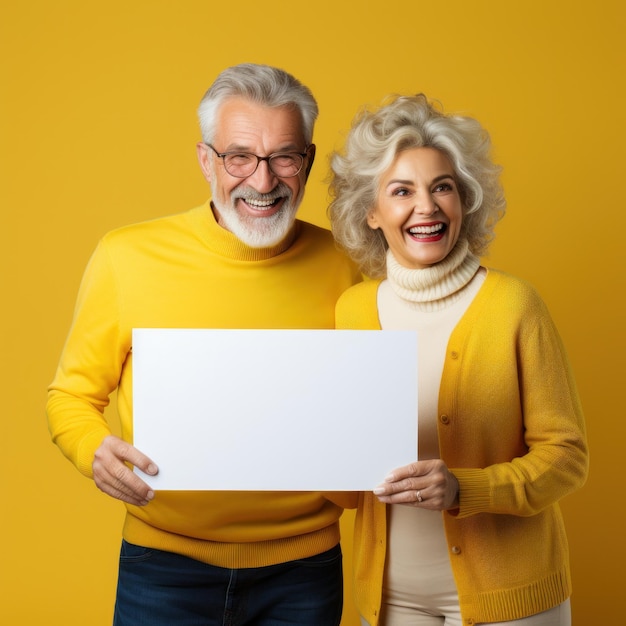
x: 244, y: 164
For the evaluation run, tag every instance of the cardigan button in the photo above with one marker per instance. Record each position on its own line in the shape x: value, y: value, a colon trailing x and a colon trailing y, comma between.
x: 454, y: 354
x: 456, y: 550
x: 445, y: 419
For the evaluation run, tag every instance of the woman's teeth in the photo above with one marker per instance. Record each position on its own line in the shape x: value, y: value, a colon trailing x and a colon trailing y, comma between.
x: 426, y: 230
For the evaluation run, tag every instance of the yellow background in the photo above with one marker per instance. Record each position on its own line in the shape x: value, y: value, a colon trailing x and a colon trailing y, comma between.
x: 97, y: 130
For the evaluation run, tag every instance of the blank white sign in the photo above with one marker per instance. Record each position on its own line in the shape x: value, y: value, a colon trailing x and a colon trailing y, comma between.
x: 297, y: 410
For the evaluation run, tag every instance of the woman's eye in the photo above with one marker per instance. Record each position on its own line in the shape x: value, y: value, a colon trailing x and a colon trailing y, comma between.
x: 400, y: 191
x: 443, y: 187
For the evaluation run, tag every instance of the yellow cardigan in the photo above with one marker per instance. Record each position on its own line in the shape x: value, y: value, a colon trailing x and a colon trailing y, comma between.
x: 511, y: 429
x: 185, y: 271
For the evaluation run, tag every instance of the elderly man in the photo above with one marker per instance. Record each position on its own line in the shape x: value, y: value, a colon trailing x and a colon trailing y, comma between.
x: 242, y: 260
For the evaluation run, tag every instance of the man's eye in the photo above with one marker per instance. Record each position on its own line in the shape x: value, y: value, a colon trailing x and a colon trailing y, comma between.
x: 239, y: 159
x: 283, y: 160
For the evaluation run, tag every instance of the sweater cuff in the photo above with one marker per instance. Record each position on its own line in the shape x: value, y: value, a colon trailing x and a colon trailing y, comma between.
x: 473, y: 491
x: 87, y: 450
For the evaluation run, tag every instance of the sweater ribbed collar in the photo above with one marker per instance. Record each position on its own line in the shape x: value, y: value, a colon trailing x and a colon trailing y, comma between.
x: 223, y: 242
x: 436, y: 287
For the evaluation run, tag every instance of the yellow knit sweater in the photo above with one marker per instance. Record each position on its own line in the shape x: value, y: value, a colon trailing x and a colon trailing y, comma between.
x: 511, y: 429
x: 185, y: 271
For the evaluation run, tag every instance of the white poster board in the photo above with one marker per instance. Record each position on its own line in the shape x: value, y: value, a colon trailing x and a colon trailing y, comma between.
x: 297, y: 410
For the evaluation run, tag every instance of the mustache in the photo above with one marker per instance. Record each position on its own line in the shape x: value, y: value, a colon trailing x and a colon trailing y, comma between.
x: 248, y: 193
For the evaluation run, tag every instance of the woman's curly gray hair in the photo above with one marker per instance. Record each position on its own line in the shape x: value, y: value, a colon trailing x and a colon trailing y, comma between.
x: 373, y: 143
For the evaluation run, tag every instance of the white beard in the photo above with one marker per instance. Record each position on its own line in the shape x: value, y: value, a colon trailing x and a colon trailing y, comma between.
x: 259, y: 232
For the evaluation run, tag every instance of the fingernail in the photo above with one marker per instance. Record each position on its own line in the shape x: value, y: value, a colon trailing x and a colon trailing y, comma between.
x: 378, y: 491
x: 152, y: 469
x: 150, y: 495
x: 389, y: 478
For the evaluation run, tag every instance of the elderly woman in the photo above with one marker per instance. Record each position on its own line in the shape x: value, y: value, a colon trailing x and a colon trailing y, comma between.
x: 471, y: 532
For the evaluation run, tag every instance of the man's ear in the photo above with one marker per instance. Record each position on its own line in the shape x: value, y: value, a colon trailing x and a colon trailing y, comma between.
x: 311, y: 157
x: 203, y: 158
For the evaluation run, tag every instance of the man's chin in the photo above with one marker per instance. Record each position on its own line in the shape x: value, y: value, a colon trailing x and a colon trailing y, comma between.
x: 257, y: 231
x: 261, y: 232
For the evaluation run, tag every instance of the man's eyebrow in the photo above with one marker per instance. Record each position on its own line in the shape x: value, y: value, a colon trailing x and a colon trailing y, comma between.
x: 290, y: 147
x: 236, y: 147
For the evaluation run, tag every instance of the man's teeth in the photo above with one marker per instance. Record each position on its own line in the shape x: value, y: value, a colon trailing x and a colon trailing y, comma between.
x: 260, y: 204
x: 426, y: 230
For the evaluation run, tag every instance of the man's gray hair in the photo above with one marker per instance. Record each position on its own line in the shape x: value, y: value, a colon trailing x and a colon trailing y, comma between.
x: 261, y: 84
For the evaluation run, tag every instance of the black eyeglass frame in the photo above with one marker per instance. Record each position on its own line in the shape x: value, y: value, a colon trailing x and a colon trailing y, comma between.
x: 223, y: 155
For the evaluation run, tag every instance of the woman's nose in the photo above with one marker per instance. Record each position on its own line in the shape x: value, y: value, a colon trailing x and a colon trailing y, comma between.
x: 425, y: 204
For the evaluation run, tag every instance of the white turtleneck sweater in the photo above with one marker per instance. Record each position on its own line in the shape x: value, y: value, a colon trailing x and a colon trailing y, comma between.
x: 430, y: 301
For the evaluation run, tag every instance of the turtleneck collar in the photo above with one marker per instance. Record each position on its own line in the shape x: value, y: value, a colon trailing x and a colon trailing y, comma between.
x: 224, y: 243
x: 433, y: 288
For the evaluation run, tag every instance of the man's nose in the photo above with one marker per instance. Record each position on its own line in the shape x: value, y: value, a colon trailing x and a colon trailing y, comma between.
x: 263, y: 179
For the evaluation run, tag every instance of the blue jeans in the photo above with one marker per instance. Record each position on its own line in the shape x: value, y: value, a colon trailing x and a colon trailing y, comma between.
x: 157, y: 588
